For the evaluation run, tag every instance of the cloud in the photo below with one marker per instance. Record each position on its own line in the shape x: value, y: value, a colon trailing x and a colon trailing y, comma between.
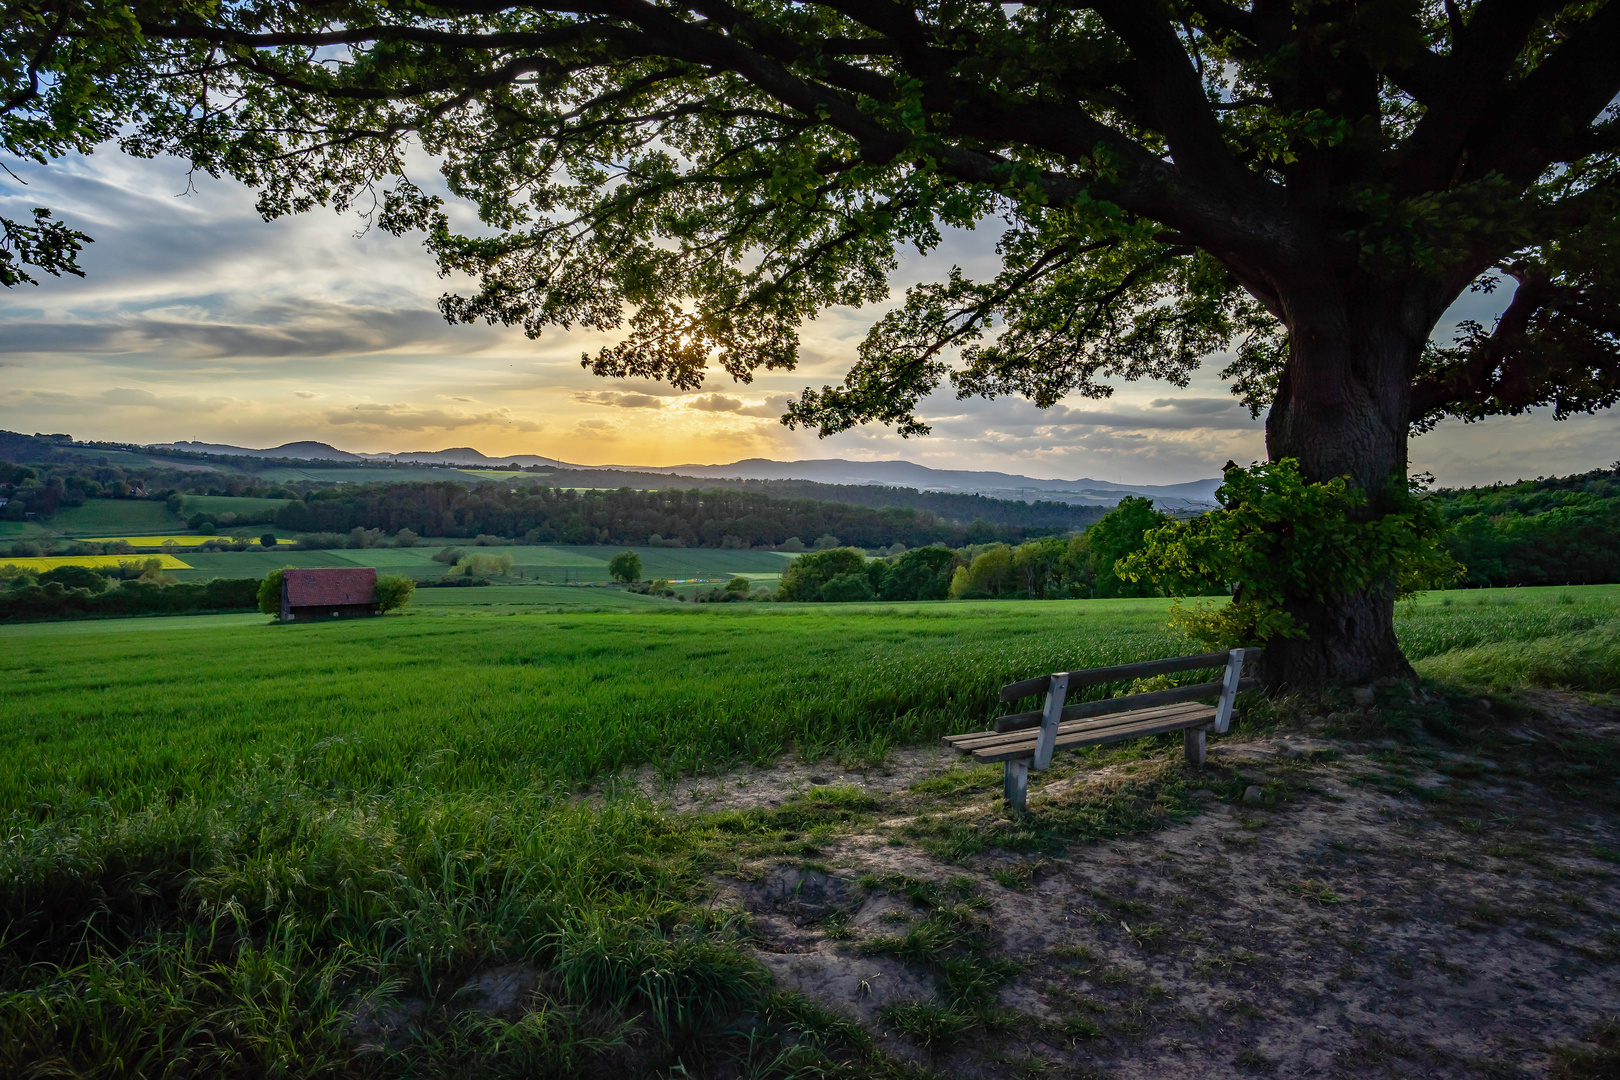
x: 618, y: 399
x: 305, y: 394
x: 400, y: 417
x: 771, y: 407
x: 266, y: 331
x: 715, y: 403
x: 1202, y: 406
x: 124, y: 395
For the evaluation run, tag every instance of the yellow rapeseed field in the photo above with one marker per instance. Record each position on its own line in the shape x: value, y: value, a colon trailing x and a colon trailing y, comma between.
x: 40, y: 564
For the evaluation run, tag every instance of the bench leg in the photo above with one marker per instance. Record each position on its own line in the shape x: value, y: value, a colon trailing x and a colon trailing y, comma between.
x: 1016, y: 785
x: 1192, y: 743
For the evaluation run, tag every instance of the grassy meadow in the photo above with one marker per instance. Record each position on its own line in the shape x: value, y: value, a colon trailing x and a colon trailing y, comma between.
x: 100, y: 517
x: 229, y: 843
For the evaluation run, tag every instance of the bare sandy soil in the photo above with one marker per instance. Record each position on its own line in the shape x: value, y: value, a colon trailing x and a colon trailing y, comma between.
x: 1373, y: 907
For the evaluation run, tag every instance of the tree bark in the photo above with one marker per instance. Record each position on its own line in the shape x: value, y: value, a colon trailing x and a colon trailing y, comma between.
x: 1342, y: 410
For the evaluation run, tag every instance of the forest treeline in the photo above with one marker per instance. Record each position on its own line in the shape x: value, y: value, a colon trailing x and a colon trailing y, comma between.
x: 1551, y: 531
x: 542, y: 514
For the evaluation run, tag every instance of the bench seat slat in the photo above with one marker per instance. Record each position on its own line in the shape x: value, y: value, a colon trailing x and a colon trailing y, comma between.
x: 1095, y: 736
x: 975, y: 740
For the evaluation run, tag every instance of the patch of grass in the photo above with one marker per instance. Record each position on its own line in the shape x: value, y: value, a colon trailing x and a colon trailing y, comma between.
x: 928, y: 1023
x: 1574, y: 661
x: 1310, y: 890
x: 1018, y: 875
x: 1597, y: 1057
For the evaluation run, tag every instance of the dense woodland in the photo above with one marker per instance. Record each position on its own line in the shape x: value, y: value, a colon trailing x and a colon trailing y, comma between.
x: 1552, y: 531
x: 546, y: 515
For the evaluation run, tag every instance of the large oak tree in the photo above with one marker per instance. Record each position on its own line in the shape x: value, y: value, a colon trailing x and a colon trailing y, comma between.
x: 1307, y: 184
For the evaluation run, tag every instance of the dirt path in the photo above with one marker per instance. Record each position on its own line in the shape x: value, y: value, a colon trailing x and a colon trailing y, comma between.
x: 1373, y: 908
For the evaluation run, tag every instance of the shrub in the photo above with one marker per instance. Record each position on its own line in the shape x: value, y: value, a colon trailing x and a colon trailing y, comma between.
x: 268, y: 540
x: 625, y: 566
x: 75, y: 577
x: 394, y: 591
x: 362, y: 538
x: 792, y: 543
x: 405, y: 538
x: 1280, y: 539
x: 449, y: 556
x: 269, y: 595
x: 739, y: 585
x: 481, y: 565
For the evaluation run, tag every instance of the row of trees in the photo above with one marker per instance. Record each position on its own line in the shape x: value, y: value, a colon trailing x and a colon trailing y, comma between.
x: 1048, y: 568
x: 25, y: 598
x: 546, y: 515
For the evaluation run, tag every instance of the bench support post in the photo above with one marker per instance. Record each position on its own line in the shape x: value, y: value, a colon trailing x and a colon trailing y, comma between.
x: 1192, y: 743
x: 1229, y: 689
x: 1051, y: 717
x: 1015, y: 787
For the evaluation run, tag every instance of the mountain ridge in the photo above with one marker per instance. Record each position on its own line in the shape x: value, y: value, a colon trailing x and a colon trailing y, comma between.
x: 892, y: 472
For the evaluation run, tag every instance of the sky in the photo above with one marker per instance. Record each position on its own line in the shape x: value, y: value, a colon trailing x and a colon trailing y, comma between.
x: 198, y: 320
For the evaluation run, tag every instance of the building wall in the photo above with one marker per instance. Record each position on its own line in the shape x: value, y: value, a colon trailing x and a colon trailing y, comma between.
x: 310, y: 614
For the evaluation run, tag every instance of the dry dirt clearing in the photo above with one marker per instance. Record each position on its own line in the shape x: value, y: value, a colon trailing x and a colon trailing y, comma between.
x: 1337, y: 896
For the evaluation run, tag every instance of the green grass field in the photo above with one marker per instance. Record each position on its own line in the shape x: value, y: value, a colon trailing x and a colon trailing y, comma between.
x: 101, y: 517
x: 226, y: 839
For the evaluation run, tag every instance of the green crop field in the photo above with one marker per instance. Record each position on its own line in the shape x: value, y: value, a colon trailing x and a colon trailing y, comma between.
x: 102, y: 517
x: 228, y: 842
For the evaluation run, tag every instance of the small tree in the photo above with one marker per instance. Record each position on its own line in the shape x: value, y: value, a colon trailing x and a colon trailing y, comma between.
x: 739, y: 585
x: 393, y: 591
x: 270, y: 593
x: 268, y: 540
x: 449, y: 556
x: 405, y: 538
x: 625, y: 566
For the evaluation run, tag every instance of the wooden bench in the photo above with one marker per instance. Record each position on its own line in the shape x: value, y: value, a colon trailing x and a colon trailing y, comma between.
x: 1027, y: 740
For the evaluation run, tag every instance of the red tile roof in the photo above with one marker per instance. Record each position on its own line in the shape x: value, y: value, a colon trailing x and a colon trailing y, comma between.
x: 330, y: 588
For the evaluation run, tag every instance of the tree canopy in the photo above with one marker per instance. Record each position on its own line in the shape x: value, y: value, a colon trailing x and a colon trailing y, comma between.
x: 701, y: 177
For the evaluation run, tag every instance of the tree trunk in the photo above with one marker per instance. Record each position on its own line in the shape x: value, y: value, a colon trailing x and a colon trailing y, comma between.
x: 1342, y: 410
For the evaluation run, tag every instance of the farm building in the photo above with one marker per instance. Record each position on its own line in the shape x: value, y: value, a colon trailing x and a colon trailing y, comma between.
x: 339, y: 593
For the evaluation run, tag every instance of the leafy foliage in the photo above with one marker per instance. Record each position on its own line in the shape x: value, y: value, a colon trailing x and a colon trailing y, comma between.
x: 1280, y: 538
x: 625, y: 566
x: 1173, y: 181
x: 393, y: 591
x: 268, y: 596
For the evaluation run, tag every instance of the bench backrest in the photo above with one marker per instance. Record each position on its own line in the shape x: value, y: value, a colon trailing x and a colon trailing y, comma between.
x: 1057, y: 686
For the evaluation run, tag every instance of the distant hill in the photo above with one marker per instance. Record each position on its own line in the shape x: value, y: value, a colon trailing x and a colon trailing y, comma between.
x: 1193, y: 495
x: 303, y: 451
x: 909, y: 474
